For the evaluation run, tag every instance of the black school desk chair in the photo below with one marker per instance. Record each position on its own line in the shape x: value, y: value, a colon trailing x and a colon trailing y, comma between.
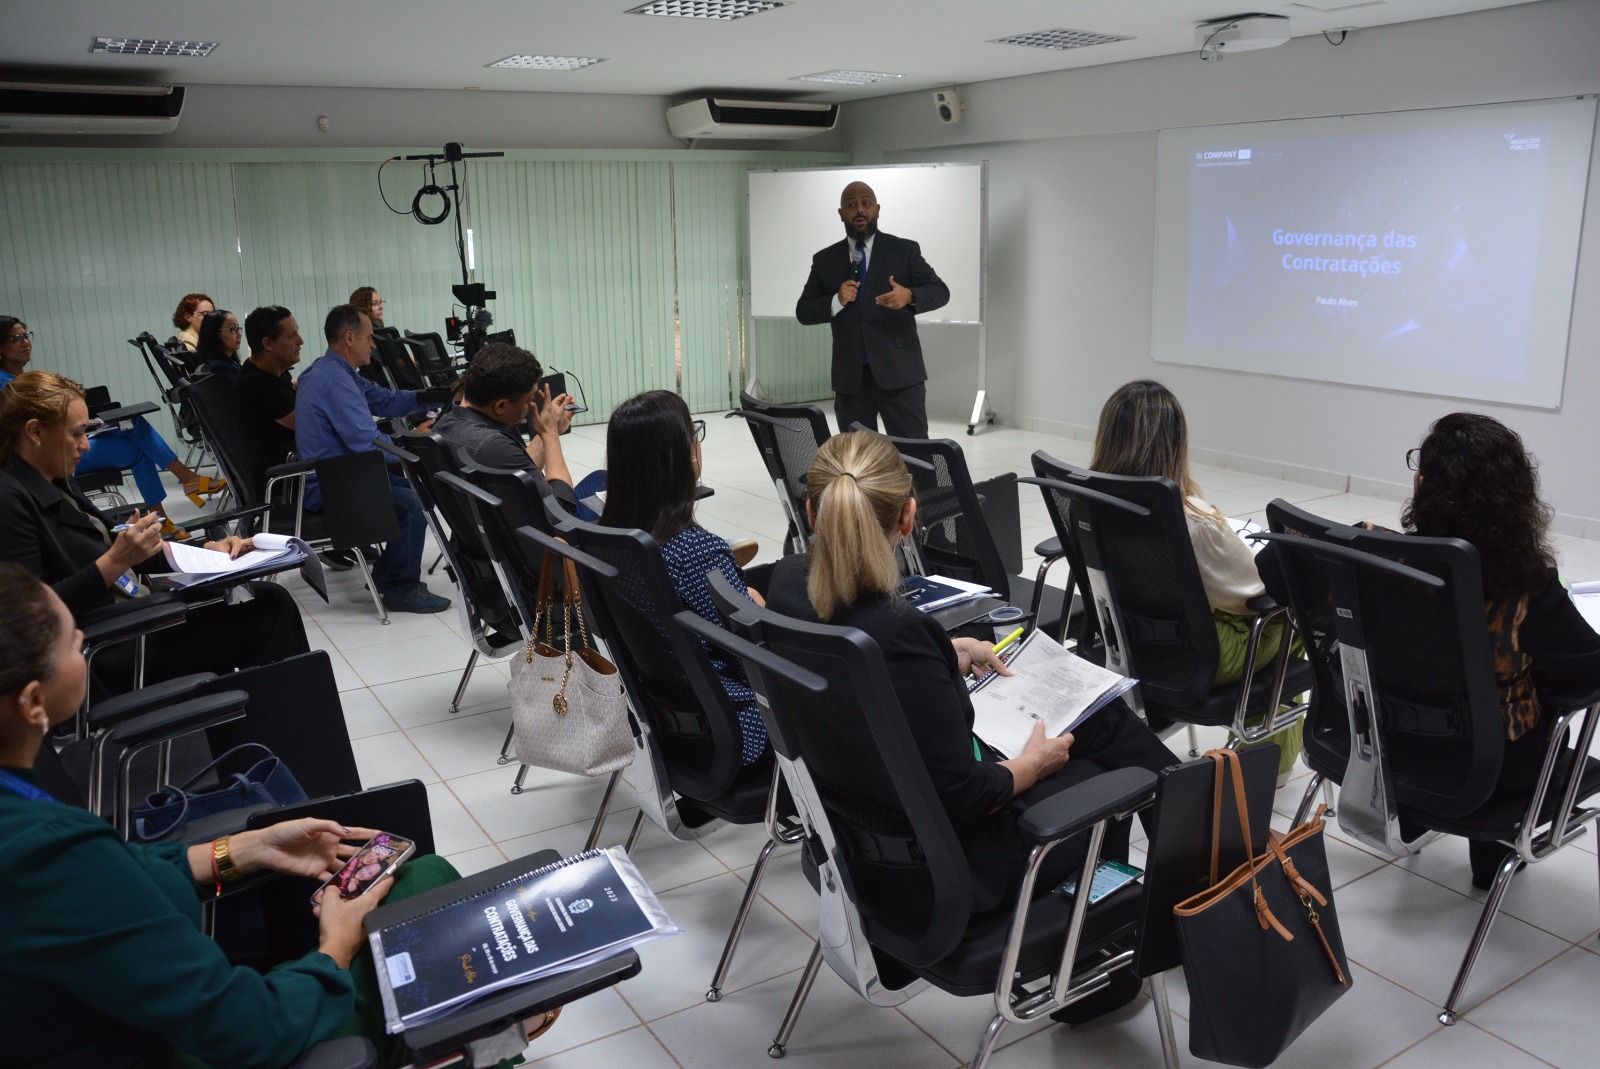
x: 954, y: 538
x: 788, y: 437
x: 170, y: 374
x: 687, y: 766
x: 1150, y: 606
x: 490, y: 621
x: 1405, y: 713
x: 896, y: 888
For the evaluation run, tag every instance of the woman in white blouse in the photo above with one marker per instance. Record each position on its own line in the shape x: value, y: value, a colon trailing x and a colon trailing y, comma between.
x: 1143, y: 432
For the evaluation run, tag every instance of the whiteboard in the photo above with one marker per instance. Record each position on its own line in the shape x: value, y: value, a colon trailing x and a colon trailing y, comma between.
x: 793, y: 214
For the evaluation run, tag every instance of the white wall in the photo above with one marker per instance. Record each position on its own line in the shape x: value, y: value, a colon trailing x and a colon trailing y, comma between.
x: 1072, y: 231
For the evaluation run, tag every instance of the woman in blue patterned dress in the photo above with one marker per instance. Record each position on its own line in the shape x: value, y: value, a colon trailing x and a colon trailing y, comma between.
x: 653, y: 467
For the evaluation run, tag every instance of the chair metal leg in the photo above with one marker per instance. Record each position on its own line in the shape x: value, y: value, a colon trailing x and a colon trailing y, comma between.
x: 505, y: 747
x: 1304, y: 809
x: 986, y: 1044
x: 780, y: 1042
x: 372, y: 586
x: 1491, y: 908
x: 1328, y: 798
x: 603, y: 812
x: 1169, y: 1042
x: 522, y: 774
x: 635, y: 832
x: 1194, y: 742
x: 714, y: 994
x: 461, y: 687
x: 435, y: 565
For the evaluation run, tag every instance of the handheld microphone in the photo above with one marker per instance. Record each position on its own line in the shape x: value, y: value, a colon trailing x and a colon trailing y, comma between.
x: 855, y: 261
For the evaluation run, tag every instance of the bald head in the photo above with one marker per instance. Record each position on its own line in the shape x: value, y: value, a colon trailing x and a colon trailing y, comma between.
x: 858, y: 210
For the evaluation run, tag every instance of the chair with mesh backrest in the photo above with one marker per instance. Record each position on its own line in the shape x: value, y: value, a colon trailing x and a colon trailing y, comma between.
x: 1405, y: 713
x: 394, y: 360
x: 896, y: 887
x: 490, y: 622
x: 788, y: 437
x: 688, y: 768
x: 433, y: 360
x: 1154, y: 619
x: 954, y: 539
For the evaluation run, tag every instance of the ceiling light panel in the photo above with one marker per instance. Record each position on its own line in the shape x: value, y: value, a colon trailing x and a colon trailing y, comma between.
x: 848, y: 77
x: 545, y: 63
x: 151, y: 46
x: 720, y: 10
x: 1059, y: 40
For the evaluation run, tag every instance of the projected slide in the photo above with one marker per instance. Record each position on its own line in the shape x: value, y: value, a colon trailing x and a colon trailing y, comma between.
x: 1424, y: 251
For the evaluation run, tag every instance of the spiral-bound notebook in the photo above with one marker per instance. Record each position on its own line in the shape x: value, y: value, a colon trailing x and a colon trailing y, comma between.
x: 559, y: 917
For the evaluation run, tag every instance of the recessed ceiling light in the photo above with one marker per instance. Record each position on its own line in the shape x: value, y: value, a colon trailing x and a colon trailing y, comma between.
x: 545, y: 63
x: 723, y: 10
x: 1059, y: 40
x: 150, y: 46
x: 847, y: 77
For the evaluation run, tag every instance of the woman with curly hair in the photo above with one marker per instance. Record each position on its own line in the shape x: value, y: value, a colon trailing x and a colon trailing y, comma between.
x: 1475, y: 481
x: 186, y: 317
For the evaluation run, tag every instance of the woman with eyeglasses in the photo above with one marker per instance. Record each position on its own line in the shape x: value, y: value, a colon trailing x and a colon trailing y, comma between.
x: 653, y: 470
x: 186, y: 317
x: 138, y: 448
x: 859, y: 498
x: 221, y: 337
x: 366, y: 298
x: 1475, y: 481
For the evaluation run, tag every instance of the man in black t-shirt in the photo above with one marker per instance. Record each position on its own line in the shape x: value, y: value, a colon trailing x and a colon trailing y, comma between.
x: 264, y: 391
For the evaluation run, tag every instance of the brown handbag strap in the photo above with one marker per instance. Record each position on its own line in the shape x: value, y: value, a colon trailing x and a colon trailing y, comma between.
x: 1227, y: 765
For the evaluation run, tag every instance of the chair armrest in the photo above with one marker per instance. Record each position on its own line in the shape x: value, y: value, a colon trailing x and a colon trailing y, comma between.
x: 290, y: 468
x: 350, y: 1052
x: 1078, y: 808
x: 121, y: 513
x: 180, y: 719
x: 1263, y: 604
x: 1049, y: 549
x: 118, y: 623
x: 218, y: 519
x: 134, y: 703
x: 1569, y: 702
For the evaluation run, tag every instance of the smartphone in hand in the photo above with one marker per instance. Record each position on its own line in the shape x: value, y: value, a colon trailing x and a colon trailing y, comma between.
x: 377, y: 858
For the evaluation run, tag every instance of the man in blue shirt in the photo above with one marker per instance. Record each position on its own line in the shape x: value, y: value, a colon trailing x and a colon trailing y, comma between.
x: 333, y: 413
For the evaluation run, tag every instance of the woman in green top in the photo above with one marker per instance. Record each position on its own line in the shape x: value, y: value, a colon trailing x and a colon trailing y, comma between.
x: 102, y: 960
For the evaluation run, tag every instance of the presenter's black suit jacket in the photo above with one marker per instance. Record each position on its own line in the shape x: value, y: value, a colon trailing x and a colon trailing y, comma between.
x: 889, y: 336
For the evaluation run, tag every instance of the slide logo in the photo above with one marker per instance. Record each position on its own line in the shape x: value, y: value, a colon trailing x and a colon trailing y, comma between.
x: 1224, y: 154
x: 1521, y: 144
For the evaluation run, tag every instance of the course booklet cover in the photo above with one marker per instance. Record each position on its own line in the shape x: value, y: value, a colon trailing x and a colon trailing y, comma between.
x: 929, y: 593
x: 1050, y: 685
x: 193, y: 565
x: 562, y: 916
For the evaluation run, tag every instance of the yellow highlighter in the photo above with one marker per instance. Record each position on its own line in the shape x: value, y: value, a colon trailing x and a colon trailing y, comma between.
x: 1009, y: 639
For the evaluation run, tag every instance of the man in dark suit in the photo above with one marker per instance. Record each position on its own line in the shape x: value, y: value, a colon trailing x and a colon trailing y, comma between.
x: 869, y: 289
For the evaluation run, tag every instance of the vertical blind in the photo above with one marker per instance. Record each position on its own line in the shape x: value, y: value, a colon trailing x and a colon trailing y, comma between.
x: 628, y: 274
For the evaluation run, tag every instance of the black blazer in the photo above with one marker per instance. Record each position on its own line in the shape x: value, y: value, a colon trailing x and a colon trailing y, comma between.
x: 43, y: 533
x: 888, y: 336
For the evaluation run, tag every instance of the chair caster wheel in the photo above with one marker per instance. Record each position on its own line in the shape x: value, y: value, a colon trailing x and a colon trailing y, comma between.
x: 714, y: 995
x: 1447, y: 1018
x: 776, y: 1051
x: 516, y: 790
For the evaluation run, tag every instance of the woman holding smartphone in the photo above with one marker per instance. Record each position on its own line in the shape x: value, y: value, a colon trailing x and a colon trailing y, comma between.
x: 102, y: 959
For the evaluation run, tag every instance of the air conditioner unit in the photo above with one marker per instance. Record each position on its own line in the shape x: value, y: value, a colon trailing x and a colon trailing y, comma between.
x: 89, y: 109
x: 1243, y: 33
x: 749, y: 120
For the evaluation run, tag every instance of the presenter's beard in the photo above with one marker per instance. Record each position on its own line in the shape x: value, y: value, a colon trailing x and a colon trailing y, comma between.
x: 851, y: 232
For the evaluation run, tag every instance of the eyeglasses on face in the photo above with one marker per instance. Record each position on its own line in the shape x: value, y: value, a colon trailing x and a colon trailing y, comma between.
x: 1413, y: 457
x: 233, y: 330
x: 14, y: 339
x: 699, y: 426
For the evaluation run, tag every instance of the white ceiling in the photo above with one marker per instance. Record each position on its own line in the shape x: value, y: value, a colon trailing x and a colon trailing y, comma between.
x: 428, y: 44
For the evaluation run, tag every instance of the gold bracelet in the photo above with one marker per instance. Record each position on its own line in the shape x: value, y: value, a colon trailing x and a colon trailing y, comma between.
x: 222, y: 862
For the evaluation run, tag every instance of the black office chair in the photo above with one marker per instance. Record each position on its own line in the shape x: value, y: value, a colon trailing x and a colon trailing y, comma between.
x: 1132, y: 546
x: 433, y: 360
x: 393, y: 362
x: 954, y: 539
x: 788, y: 437
x: 896, y: 886
x: 170, y: 374
x: 490, y: 621
x: 1405, y: 712
x: 687, y: 768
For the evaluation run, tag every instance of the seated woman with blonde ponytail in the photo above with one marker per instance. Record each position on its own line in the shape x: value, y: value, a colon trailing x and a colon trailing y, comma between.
x: 859, y: 499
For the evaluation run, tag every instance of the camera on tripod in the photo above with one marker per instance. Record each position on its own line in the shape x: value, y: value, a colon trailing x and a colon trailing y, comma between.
x: 472, y: 330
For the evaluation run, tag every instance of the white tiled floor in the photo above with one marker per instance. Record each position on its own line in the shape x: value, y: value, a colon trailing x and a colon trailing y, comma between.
x: 1531, y: 999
